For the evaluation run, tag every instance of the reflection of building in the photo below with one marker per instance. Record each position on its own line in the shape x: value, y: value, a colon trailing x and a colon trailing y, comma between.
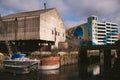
x: 96, y: 33
x: 33, y: 29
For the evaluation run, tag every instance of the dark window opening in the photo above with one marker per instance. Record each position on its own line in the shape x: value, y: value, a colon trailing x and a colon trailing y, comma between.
x: 101, y: 24
x: 52, y: 32
x: 58, y: 34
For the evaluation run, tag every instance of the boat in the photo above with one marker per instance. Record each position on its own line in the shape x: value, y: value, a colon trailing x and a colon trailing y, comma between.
x: 49, y: 63
x: 20, y: 64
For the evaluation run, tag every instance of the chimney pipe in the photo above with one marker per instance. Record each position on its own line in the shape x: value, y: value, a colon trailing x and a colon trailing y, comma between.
x: 44, y: 5
x: 0, y: 17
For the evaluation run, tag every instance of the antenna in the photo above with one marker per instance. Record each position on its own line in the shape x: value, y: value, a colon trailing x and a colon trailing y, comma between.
x: 0, y: 17
x: 44, y: 5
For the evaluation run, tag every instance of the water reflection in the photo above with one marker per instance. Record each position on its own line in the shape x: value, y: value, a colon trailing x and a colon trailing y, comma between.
x: 71, y: 72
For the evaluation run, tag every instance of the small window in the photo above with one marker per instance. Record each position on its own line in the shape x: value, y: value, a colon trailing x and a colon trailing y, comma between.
x: 63, y: 35
x: 52, y: 32
x: 58, y: 34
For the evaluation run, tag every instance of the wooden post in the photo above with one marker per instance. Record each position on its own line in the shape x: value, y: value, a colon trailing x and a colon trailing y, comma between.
x: 83, y: 58
x: 101, y: 55
x: 8, y: 45
x: 107, y: 59
x: 83, y: 62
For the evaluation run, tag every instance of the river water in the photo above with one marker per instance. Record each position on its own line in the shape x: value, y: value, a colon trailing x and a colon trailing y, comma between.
x: 69, y: 72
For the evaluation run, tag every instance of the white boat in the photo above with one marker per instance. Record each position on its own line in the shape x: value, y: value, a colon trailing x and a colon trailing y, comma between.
x: 19, y: 64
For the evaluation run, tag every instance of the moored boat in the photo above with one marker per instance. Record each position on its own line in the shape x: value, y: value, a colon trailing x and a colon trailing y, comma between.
x: 20, y: 64
x: 49, y: 63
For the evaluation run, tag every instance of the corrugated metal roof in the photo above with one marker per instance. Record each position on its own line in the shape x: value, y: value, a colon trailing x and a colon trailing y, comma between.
x: 29, y: 13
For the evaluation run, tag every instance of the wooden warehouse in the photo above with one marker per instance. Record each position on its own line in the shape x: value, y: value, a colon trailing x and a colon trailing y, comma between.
x: 31, y: 31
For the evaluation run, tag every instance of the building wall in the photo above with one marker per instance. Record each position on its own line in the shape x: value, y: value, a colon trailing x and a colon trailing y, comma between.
x: 51, y: 27
x: 45, y: 25
x: 97, y: 33
x: 112, y: 31
x: 103, y: 33
x: 20, y: 28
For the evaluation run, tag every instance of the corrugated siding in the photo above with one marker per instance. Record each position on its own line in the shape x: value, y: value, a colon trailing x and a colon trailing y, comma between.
x: 24, y: 28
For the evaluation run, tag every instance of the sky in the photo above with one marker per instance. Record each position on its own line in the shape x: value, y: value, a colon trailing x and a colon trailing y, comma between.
x: 72, y: 12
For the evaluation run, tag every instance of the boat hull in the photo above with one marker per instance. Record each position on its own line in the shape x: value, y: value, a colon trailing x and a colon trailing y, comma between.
x: 20, y: 67
x: 49, y: 63
x: 56, y: 66
x: 17, y: 70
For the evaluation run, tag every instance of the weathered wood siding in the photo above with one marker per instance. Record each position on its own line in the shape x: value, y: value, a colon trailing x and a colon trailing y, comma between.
x: 35, y: 25
x: 23, y: 28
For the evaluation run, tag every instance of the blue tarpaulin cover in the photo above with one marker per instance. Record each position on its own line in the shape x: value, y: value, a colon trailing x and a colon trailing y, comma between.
x: 16, y: 55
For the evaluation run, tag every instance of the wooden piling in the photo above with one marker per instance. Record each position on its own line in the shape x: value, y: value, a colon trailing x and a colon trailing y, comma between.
x: 83, y: 57
x: 107, y: 59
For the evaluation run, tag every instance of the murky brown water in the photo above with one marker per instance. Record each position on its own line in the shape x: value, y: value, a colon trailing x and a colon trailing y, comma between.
x: 70, y: 72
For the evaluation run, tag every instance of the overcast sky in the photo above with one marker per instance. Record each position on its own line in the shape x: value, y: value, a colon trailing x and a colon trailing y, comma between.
x: 72, y: 12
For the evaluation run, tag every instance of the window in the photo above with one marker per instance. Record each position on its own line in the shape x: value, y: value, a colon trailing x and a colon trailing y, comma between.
x: 107, y: 23
x: 52, y: 32
x: 63, y: 35
x: 58, y: 33
x: 101, y: 24
x: 101, y: 31
x: 113, y: 24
